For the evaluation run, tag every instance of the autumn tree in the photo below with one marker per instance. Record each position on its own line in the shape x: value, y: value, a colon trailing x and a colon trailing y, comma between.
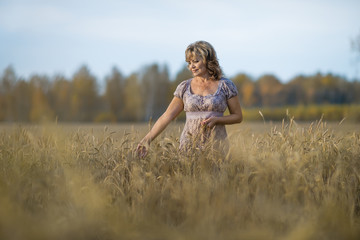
x: 114, y: 93
x: 61, y: 98
x: 84, y: 95
x: 146, y: 94
x: 7, y: 85
x: 183, y: 74
x: 155, y: 85
x: 269, y: 86
x: 40, y: 107
x: 296, y: 91
x: 22, y: 100
x: 132, y: 109
x: 248, y: 93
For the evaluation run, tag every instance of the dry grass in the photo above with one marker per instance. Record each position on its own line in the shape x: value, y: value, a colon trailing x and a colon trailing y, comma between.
x: 283, y: 181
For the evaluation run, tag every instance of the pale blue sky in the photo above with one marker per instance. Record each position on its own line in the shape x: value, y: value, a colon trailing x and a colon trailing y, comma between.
x: 284, y: 38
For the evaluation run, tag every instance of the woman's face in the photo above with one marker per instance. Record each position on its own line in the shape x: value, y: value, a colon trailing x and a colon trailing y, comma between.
x: 198, y: 67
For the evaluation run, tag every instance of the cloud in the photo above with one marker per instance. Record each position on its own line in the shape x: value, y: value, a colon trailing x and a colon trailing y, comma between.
x: 258, y: 31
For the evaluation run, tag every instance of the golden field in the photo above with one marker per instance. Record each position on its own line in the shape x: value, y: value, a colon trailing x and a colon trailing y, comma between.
x: 283, y: 180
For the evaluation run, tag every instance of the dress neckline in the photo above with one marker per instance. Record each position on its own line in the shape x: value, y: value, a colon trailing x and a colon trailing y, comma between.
x: 209, y: 95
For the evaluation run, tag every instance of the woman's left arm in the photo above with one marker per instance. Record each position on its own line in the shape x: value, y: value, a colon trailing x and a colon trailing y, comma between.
x: 235, y: 115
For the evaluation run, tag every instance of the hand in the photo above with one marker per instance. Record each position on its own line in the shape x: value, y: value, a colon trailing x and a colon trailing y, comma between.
x: 209, y: 122
x: 141, y: 150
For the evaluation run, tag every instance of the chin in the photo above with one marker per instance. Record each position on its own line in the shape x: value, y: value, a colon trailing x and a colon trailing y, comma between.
x: 198, y: 74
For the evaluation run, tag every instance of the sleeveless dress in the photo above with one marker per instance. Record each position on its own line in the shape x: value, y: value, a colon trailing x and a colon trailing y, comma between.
x: 198, y: 108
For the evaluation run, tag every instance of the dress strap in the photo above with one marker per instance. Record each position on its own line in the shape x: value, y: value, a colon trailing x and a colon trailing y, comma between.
x: 203, y: 114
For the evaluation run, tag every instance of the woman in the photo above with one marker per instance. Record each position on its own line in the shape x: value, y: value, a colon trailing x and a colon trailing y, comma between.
x: 204, y: 98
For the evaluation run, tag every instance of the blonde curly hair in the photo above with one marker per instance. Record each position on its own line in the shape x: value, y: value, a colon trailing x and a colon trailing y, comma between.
x: 207, y: 52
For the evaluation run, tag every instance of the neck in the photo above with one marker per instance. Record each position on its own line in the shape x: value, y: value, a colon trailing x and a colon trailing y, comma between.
x: 203, y: 78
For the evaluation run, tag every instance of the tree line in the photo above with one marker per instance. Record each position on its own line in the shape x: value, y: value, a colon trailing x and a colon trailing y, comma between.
x: 145, y: 94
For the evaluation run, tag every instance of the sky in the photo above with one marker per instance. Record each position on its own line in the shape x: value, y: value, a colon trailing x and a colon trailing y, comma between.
x: 283, y: 38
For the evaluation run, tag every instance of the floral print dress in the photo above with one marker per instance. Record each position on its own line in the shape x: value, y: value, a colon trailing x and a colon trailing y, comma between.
x: 198, y: 108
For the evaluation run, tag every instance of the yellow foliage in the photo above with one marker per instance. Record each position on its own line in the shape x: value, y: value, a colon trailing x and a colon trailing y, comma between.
x: 40, y: 108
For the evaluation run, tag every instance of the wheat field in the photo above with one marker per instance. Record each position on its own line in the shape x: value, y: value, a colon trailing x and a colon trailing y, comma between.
x: 279, y: 181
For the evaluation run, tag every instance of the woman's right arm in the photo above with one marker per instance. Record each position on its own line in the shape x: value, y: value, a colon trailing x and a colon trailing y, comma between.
x: 174, y: 109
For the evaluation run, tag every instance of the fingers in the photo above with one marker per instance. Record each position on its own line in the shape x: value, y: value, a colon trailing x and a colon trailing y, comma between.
x: 141, y: 150
x: 205, y: 121
x: 209, y: 122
